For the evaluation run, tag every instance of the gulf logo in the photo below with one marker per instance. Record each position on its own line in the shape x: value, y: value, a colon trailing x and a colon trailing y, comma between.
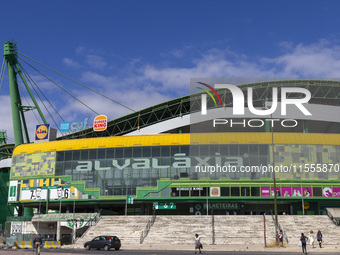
x: 41, y: 131
x: 100, y: 123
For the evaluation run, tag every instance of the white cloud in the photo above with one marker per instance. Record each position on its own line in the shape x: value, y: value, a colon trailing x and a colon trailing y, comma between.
x: 71, y: 63
x: 95, y: 61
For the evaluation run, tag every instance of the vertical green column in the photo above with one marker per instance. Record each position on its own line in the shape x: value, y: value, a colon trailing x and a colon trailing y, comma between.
x: 10, y: 57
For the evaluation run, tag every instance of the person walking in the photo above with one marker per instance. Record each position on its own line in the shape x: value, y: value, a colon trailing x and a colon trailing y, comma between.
x: 303, y: 240
x: 197, y: 243
x: 319, y: 238
x: 37, y: 244
x: 311, y: 239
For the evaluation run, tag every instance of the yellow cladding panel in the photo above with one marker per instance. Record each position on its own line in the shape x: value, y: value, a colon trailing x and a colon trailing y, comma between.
x: 179, y: 139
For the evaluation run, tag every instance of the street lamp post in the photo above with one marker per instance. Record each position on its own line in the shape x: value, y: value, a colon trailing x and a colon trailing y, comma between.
x: 273, y: 175
x: 274, y: 180
x: 127, y: 183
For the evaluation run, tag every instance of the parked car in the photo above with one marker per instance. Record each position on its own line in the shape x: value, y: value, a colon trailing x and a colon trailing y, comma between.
x: 103, y: 242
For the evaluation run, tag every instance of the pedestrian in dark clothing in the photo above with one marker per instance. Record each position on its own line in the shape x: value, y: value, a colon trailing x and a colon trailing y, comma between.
x: 319, y: 238
x: 37, y: 244
x: 303, y: 240
x: 198, y: 244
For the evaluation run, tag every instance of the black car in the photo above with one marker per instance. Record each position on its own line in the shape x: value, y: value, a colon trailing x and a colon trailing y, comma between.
x: 103, y: 242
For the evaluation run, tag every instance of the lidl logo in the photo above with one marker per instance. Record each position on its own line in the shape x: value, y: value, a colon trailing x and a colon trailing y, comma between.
x: 41, y: 132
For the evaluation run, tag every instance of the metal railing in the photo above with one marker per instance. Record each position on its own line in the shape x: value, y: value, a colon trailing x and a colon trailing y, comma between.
x: 150, y: 223
x: 279, y: 227
x: 335, y: 220
x: 91, y: 222
x: 213, y: 228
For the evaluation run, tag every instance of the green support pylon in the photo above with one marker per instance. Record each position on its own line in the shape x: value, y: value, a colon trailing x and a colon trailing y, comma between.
x: 9, y: 54
x: 2, y: 137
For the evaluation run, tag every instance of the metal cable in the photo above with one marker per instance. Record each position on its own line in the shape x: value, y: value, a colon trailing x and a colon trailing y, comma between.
x: 59, y: 86
x: 30, y: 80
x: 2, y: 73
x: 28, y: 103
x: 77, y: 82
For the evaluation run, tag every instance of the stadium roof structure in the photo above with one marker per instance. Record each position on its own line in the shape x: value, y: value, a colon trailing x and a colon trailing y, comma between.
x: 324, y: 92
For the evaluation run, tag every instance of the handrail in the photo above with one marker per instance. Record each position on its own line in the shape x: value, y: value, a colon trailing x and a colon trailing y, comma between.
x: 279, y: 227
x: 91, y: 222
x: 147, y: 228
x: 336, y: 221
x: 213, y: 228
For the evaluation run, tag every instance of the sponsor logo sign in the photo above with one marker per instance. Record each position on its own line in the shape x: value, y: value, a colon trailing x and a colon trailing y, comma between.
x: 41, y: 132
x: 100, y: 123
x: 74, y: 126
x: 215, y: 192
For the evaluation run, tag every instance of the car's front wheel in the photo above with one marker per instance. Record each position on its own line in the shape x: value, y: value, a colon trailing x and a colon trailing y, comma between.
x: 106, y: 248
x: 88, y: 247
x: 116, y: 249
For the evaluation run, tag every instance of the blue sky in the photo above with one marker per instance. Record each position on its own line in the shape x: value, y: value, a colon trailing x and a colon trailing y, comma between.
x: 141, y: 53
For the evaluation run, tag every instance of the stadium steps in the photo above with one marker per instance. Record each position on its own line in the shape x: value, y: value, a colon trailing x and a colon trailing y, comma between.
x: 177, y: 229
x: 127, y: 228
x: 229, y: 229
x: 243, y: 229
x: 294, y: 225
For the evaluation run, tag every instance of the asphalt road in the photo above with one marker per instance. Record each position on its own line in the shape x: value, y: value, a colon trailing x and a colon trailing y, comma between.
x: 137, y: 252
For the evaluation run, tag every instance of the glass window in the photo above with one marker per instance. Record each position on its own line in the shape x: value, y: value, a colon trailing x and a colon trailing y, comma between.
x: 214, y: 149
x: 101, y: 154
x: 225, y: 192
x: 146, y: 152
x: 119, y: 153
x: 137, y: 152
x: 245, y: 191
x: 165, y: 151
x: 110, y: 153
x: 317, y: 192
x: 68, y: 155
x: 255, y: 192
x: 128, y: 152
x: 195, y: 191
x: 165, y: 192
x: 60, y: 155
x: 235, y: 191
x: 204, y: 191
x: 194, y: 150
x: 174, y: 150
x: 92, y: 154
x: 204, y: 150
x: 84, y: 155
x: 184, y: 191
x: 156, y: 151
x: 175, y: 192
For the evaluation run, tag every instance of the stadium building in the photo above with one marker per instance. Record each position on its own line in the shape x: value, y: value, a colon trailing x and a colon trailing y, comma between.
x: 175, y: 159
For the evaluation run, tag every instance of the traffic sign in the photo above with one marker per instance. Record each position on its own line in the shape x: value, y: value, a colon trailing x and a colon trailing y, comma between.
x: 130, y: 199
x: 164, y: 205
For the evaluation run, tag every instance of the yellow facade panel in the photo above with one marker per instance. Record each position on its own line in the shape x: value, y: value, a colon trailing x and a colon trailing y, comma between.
x: 180, y: 139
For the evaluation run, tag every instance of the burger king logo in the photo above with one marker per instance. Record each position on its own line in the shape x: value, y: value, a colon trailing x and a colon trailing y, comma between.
x: 100, y: 123
x: 215, y: 192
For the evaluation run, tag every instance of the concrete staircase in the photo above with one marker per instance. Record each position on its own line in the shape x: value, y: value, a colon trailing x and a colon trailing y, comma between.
x: 127, y: 228
x: 294, y: 225
x: 243, y: 229
x: 229, y: 229
x: 180, y: 230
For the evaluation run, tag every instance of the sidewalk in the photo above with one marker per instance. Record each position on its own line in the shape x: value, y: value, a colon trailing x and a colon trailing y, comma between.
x: 250, y: 248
